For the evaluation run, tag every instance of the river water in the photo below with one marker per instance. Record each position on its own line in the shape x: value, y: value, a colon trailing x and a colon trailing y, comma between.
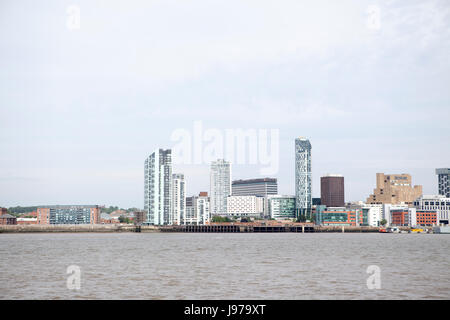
x: 225, y: 266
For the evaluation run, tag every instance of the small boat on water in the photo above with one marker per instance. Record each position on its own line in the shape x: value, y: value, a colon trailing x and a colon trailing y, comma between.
x: 394, y: 230
x: 389, y: 230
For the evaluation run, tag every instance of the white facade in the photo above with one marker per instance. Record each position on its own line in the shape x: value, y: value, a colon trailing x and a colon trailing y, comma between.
x: 198, y: 212
x: 374, y: 214
x: 178, y: 198
x: 303, y: 178
x: 220, y: 186
x: 245, y: 206
x: 158, y: 188
x: 437, y: 203
x: 387, y: 211
x: 203, y: 210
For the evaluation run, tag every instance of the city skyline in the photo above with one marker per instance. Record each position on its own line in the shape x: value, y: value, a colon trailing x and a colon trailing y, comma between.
x: 225, y: 155
x: 316, y: 194
x: 80, y: 108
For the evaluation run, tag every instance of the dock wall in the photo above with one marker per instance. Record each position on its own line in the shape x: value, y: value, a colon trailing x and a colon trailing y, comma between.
x: 214, y: 228
x: 99, y: 228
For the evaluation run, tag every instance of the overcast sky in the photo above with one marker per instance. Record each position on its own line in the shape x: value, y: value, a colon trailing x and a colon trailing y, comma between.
x: 81, y: 108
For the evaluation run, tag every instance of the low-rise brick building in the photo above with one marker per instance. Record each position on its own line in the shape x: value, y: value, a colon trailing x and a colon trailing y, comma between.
x: 7, y: 219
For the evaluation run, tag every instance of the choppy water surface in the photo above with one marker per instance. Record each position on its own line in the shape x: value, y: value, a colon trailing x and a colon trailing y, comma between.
x: 224, y: 266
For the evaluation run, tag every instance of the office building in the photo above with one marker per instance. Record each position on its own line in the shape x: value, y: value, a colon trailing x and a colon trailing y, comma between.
x: 443, y: 182
x: 426, y: 218
x: 341, y: 217
x: 374, y: 214
x: 255, y: 187
x: 281, y: 207
x: 158, y: 188
x: 245, y: 206
x: 394, y: 189
x: 303, y: 179
x: 197, y: 210
x: 437, y: 203
x: 403, y: 217
x: 332, y: 190
x: 387, y: 208
x: 178, y: 198
x: 68, y: 214
x: 411, y: 217
x: 220, y: 186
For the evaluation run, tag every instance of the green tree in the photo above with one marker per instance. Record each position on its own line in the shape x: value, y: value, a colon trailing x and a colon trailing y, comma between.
x: 123, y: 219
x: 19, y: 210
x: 383, y: 222
x: 220, y: 219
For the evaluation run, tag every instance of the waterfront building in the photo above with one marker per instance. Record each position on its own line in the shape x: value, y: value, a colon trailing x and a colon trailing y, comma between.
x: 437, y: 203
x: 139, y: 217
x: 403, y: 217
x: 394, y: 189
x: 7, y: 219
x: 204, y: 208
x: 245, y: 206
x: 22, y: 221
x: 158, y: 188
x: 341, y: 216
x: 189, y: 215
x: 281, y: 207
x: 332, y: 190
x: 220, y: 186
x: 303, y: 179
x: 387, y: 208
x: 178, y: 198
x: 68, y: 214
x: 426, y: 218
x: 411, y: 217
x: 374, y: 214
x: 106, y: 218
x: 197, y: 210
x: 255, y: 187
x: 443, y: 182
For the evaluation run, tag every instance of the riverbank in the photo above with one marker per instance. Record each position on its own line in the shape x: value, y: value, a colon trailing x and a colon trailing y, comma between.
x: 215, y: 228
x: 211, y: 228
x: 96, y: 228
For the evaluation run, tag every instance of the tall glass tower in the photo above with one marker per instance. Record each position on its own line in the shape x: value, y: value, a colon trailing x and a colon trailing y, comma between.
x: 220, y: 184
x: 444, y: 181
x: 158, y: 188
x: 303, y: 179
